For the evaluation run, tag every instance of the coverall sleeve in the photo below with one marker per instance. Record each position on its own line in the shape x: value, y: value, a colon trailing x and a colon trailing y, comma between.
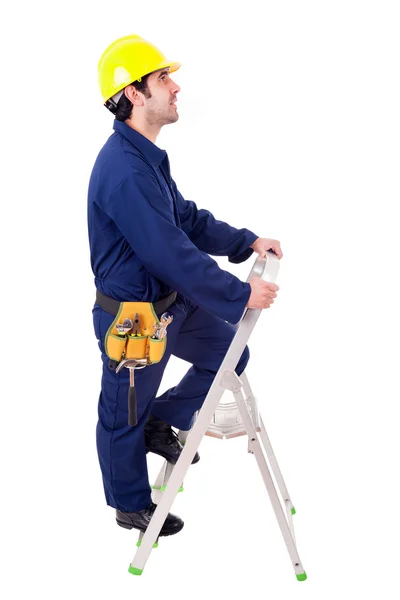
x: 213, y: 236
x: 145, y: 219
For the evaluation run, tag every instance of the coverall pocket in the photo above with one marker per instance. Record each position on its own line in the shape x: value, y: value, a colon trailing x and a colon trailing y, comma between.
x: 156, y: 349
x: 136, y: 346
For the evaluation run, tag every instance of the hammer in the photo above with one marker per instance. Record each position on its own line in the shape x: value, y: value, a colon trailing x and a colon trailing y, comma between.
x: 132, y: 364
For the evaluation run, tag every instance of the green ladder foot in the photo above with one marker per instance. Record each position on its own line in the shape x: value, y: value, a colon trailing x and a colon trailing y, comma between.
x: 293, y: 511
x: 135, y: 571
x: 301, y: 576
x: 163, y: 487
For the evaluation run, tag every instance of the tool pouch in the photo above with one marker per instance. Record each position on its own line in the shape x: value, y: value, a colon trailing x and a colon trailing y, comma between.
x: 119, y: 347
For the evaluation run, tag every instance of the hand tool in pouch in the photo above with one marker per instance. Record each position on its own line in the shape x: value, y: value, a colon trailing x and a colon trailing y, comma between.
x: 132, y: 364
x: 165, y: 321
x: 156, y: 329
x: 160, y: 330
x: 136, y: 325
x: 123, y: 328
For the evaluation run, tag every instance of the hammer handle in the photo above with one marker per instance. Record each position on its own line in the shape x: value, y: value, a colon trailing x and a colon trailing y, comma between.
x: 132, y: 407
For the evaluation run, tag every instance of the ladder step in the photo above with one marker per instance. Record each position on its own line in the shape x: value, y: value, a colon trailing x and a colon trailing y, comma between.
x: 227, y: 422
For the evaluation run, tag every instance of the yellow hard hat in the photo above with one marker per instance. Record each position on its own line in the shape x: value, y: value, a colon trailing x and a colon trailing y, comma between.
x: 127, y: 60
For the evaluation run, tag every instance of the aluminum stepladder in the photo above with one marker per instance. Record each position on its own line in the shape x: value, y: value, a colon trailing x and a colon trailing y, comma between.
x: 216, y: 419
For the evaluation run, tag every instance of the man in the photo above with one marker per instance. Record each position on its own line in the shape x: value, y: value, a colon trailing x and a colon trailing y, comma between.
x: 148, y: 244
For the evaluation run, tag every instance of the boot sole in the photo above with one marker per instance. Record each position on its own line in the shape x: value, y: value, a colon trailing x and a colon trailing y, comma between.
x: 170, y: 461
x: 161, y: 534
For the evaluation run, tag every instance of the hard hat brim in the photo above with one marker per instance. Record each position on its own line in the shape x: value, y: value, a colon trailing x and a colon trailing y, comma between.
x: 173, y: 66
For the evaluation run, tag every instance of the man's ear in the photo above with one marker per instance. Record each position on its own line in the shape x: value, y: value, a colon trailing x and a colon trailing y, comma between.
x: 133, y: 95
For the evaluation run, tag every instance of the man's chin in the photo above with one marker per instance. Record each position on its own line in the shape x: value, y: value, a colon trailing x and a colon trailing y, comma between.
x: 172, y: 119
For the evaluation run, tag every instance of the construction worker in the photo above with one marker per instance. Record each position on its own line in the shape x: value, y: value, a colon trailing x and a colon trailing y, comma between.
x: 149, y: 244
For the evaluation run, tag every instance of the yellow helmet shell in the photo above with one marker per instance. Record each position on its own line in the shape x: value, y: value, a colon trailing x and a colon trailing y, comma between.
x: 126, y: 60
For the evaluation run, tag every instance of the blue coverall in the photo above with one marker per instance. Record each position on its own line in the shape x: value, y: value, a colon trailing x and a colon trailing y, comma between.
x: 146, y: 240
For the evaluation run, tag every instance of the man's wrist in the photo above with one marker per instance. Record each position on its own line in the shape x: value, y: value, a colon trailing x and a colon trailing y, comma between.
x: 252, y: 245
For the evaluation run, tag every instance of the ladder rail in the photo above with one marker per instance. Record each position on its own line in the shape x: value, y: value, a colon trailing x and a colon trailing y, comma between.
x: 284, y: 524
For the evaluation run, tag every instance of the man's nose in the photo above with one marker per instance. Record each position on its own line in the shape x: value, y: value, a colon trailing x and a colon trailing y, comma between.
x: 175, y: 87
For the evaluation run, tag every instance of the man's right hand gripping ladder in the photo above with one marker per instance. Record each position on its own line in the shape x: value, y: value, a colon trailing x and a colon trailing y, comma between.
x: 222, y: 420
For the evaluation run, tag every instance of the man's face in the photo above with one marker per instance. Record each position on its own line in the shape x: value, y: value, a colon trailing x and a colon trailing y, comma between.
x: 160, y: 108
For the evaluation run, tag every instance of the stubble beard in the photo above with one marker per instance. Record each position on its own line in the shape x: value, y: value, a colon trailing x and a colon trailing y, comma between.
x: 160, y: 117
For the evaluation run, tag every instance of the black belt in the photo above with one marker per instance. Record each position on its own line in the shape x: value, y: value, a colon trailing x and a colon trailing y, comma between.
x: 112, y: 306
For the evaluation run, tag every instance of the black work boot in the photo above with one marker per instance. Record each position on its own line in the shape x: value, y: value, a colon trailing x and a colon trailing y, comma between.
x: 162, y: 440
x: 141, y: 520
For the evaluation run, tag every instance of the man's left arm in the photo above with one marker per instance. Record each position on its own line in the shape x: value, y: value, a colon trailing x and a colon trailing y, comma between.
x: 212, y: 236
x: 218, y: 238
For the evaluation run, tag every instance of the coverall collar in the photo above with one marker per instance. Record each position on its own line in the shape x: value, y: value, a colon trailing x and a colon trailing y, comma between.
x: 153, y: 153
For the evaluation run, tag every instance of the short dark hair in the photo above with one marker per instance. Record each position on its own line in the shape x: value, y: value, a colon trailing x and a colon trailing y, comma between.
x: 123, y: 109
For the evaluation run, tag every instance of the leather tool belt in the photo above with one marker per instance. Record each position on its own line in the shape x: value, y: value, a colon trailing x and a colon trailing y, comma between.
x: 142, y: 343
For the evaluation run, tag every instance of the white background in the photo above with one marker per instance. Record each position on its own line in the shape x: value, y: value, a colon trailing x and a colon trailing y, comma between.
x: 289, y: 126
